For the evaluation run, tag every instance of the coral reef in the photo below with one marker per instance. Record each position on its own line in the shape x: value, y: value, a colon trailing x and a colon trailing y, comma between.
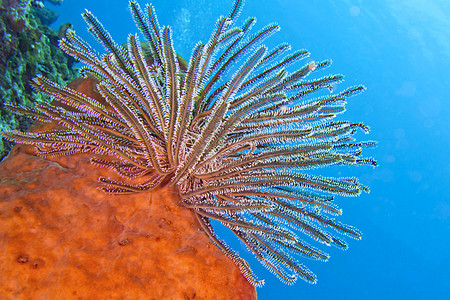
x: 26, y: 44
x: 235, y: 135
x: 62, y: 238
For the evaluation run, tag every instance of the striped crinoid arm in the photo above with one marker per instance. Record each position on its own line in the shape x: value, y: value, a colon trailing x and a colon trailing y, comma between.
x: 132, y: 123
x: 267, y: 161
x: 258, y: 152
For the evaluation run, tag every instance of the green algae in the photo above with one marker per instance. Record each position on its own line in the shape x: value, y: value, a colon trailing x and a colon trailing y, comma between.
x: 28, y: 48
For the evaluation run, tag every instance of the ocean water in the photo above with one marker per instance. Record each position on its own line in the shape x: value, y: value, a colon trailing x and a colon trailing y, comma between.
x: 400, y: 50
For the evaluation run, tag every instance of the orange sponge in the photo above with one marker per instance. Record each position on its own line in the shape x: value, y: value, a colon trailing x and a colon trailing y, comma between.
x: 63, y: 238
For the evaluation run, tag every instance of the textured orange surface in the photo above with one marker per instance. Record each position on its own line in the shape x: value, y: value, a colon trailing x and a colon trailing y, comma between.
x: 63, y: 238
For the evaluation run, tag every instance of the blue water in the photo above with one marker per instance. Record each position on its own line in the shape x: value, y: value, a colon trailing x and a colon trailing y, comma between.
x: 401, y: 51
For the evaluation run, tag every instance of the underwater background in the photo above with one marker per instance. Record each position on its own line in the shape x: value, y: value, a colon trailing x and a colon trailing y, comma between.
x: 400, y: 50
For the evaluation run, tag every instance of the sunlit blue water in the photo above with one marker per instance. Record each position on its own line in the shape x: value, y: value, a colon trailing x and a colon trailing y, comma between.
x: 401, y: 51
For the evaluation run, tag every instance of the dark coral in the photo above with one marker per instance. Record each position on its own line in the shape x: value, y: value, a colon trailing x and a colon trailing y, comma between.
x: 26, y: 43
